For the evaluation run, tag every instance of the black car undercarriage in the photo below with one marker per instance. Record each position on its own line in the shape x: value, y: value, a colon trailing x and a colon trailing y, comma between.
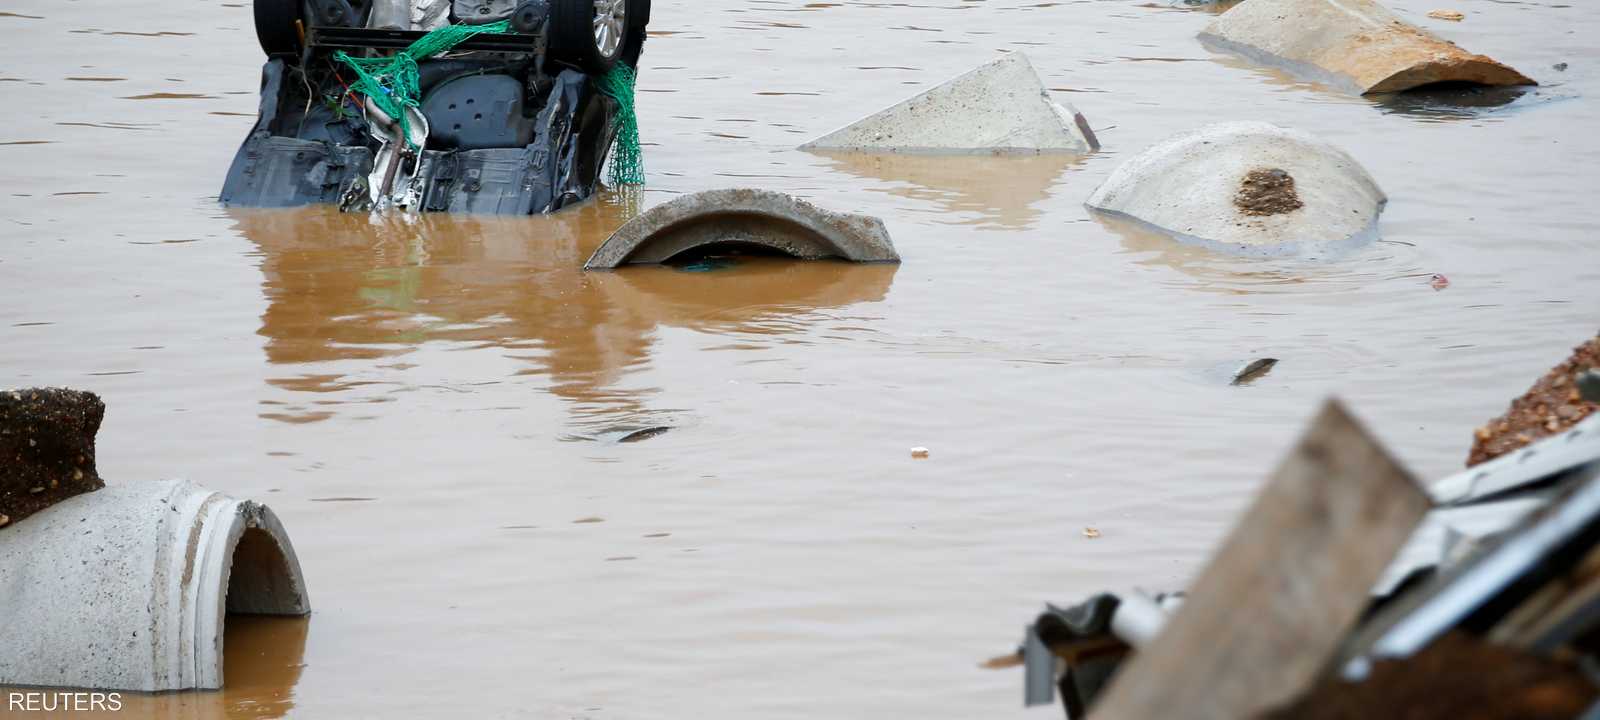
x: 514, y: 119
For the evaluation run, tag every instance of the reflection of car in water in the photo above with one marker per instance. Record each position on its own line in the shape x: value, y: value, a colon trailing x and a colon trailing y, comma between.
x: 509, y: 117
x: 351, y: 295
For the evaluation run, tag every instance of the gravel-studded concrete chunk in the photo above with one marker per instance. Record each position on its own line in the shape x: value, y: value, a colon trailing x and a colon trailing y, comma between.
x: 46, y: 448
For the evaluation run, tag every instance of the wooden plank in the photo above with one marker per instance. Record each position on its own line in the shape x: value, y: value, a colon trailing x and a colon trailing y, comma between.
x: 1272, y: 606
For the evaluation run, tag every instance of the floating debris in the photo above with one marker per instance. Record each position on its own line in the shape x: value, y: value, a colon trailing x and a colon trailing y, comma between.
x: 1589, y: 386
x: 1439, y: 282
x: 1451, y: 15
x: 1091, y: 533
x: 645, y: 434
x: 1255, y: 370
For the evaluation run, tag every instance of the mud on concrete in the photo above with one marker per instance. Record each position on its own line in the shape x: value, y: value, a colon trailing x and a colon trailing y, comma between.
x: 46, y: 449
x: 1267, y: 191
x: 1552, y: 406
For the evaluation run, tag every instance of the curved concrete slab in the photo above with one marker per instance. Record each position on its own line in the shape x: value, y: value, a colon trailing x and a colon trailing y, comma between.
x: 1249, y: 188
x: 748, y: 218
x: 129, y: 587
x: 1356, y: 45
x: 1002, y: 106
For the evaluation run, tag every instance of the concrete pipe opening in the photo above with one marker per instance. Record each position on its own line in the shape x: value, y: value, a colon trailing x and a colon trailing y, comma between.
x: 744, y: 221
x: 130, y: 587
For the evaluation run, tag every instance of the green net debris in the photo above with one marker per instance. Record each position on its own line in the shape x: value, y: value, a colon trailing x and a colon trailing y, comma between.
x: 392, y: 82
x: 627, y: 157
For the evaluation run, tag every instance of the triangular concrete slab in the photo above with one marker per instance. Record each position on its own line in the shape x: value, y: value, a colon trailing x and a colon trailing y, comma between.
x: 1001, y: 106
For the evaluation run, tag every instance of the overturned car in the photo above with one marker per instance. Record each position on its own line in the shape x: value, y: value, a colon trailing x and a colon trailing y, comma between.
x: 486, y: 106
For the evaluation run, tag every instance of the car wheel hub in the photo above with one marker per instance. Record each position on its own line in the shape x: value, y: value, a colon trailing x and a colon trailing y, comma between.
x: 610, y: 18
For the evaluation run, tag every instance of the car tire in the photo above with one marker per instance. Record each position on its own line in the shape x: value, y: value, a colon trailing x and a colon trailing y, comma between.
x: 278, y: 24
x: 594, y: 35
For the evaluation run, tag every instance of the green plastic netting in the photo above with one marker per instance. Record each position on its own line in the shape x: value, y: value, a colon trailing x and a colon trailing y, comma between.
x: 627, y: 157
x: 392, y: 82
x: 392, y: 85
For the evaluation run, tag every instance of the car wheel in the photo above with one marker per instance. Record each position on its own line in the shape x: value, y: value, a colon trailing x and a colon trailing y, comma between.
x: 593, y: 34
x: 278, y: 25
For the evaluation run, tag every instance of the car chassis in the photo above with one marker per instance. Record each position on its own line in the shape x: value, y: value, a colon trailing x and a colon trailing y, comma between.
x: 506, y: 122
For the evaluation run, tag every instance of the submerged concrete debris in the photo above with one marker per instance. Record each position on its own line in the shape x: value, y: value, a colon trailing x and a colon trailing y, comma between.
x: 1552, y: 406
x: 125, y: 587
x: 1250, y: 188
x: 1356, y: 45
x: 46, y: 449
x: 129, y: 588
x: 743, y: 221
x: 1001, y: 106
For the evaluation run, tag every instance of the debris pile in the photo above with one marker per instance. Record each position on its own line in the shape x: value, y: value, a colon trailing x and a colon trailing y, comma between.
x: 1347, y: 590
x: 1553, y: 405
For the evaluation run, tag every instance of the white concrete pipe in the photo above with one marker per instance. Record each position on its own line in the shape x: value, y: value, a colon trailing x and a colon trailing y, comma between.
x: 129, y: 587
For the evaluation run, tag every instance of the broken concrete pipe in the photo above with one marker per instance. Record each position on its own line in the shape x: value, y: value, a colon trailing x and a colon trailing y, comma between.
x: 744, y: 220
x: 1248, y: 188
x: 124, y: 587
x: 1355, y: 45
x: 1000, y: 107
x: 46, y: 449
x: 129, y: 588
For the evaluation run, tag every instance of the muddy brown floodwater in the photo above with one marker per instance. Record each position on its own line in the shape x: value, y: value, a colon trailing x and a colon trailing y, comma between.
x: 434, y: 406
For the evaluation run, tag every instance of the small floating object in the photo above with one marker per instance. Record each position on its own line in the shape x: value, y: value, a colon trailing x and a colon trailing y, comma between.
x: 643, y: 435
x: 1091, y: 533
x: 1588, y: 389
x: 920, y: 453
x: 1250, y: 373
x: 1439, y: 282
x: 1451, y: 15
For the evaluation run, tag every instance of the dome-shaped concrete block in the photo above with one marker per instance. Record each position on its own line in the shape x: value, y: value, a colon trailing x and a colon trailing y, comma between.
x: 744, y: 218
x: 1248, y: 188
x: 129, y: 587
x: 1001, y: 106
x: 1356, y: 45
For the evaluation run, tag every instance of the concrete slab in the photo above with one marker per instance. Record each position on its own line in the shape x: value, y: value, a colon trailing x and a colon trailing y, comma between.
x: 1248, y: 188
x: 1355, y: 45
x: 129, y: 587
x: 744, y: 218
x: 1001, y: 106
